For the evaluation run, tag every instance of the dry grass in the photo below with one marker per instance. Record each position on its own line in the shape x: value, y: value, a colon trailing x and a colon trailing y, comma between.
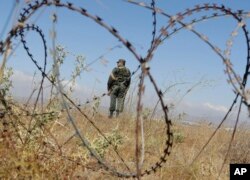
x: 48, y: 153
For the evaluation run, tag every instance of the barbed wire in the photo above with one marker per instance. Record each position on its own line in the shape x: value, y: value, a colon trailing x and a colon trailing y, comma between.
x: 127, y: 43
x: 229, y: 70
x: 29, y: 129
x: 177, y: 18
x: 234, y: 79
x: 154, y: 24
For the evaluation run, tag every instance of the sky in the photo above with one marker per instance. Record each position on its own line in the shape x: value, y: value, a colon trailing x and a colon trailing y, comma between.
x: 183, y: 61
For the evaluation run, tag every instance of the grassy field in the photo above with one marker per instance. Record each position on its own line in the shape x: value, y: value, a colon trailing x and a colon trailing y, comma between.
x: 53, y: 151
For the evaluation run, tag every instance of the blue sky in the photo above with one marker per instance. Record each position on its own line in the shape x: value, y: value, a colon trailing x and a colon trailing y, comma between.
x: 183, y: 58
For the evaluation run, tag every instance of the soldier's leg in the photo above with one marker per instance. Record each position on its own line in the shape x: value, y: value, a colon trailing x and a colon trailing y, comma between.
x: 112, y: 104
x: 121, y: 99
x: 119, y: 105
x: 122, y: 104
x: 113, y: 97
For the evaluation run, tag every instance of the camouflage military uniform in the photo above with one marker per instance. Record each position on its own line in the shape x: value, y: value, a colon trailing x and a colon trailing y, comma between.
x: 118, y: 84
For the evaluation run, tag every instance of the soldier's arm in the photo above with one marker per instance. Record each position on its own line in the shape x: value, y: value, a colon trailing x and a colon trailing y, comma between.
x: 111, y: 79
x: 128, y: 79
x: 109, y: 84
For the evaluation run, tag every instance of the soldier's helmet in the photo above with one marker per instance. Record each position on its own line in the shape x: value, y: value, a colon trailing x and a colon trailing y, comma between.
x: 121, y: 60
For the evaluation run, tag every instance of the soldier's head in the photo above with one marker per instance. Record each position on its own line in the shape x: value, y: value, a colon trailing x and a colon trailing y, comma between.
x: 121, y: 62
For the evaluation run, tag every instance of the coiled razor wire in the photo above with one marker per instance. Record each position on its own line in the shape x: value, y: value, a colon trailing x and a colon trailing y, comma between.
x: 229, y: 70
x: 177, y: 19
x: 156, y: 41
x: 169, y: 143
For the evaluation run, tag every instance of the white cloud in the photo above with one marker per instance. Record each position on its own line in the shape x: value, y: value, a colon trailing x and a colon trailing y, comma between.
x: 214, y: 107
x: 24, y: 84
x: 76, y: 87
x: 23, y: 87
x: 19, y: 76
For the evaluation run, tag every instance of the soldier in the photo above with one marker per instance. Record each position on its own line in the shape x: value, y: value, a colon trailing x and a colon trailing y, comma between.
x: 118, y: 84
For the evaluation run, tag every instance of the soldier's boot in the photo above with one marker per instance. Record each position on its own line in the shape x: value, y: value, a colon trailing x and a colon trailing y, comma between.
x: 117, y: 113
x: 111, y: 114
